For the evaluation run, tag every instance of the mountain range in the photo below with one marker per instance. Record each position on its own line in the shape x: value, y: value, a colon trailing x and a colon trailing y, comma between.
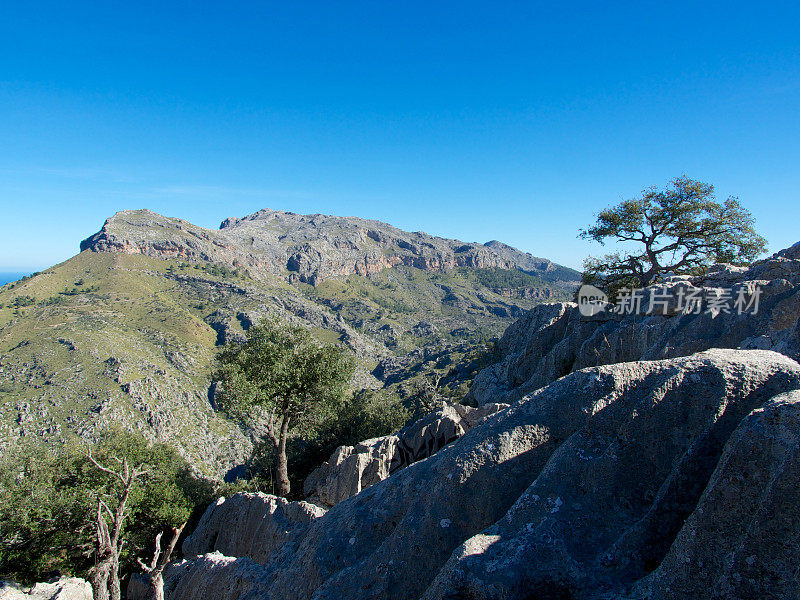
x: 126, y: 331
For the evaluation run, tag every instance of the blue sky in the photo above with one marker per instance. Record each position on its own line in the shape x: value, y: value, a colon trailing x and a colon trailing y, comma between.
x: 476, y: 120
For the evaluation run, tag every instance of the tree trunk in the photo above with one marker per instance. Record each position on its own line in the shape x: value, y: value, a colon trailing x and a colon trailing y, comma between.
x: 100, y: 574
x: 114, y: 584
x: 282, y: 467
x: 157, y: 586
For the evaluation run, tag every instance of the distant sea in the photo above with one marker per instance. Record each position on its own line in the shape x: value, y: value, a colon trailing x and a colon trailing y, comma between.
x: 8, y: 277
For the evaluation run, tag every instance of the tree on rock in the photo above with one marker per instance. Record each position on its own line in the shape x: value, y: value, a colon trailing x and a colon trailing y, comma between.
x: 680, y: 230
x: 282, y: 378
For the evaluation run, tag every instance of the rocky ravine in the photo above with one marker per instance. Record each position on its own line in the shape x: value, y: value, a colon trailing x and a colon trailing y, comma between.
x: 651, y: 479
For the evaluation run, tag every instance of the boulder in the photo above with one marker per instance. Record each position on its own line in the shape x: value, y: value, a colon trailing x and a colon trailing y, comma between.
x: 10, y: 590
x: 62, y: 588
x: 251, y: 525
x: 350, y: 469
x: 599, y: 485
x: 213, y: 577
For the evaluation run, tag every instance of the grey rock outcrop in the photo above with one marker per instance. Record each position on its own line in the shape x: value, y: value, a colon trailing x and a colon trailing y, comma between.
x: 213, y: 577
x: 350, y: 469
x: 63, y: 588
x: 679, y: 521
x: 599, y: 485
x: 743, y: 533
x: 552, y: 340
x: 307, y: 248
x: 250, y: 524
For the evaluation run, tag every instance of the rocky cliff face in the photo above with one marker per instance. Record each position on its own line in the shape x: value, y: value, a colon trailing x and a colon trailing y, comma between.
x: 652, y: 479
x: 552, y: 340
x: 307, y: 248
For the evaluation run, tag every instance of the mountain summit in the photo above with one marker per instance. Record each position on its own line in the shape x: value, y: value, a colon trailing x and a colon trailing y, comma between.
x: 126, y: 331
x: 308, y: 248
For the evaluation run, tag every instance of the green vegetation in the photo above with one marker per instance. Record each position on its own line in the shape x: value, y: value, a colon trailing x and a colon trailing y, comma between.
x: 50, y: 500
x: 283, y: 376
x: 366, y: 414
x: 20, y: 301
x: 215, y: 269
x: 679, y: 230
x: 140, y: 336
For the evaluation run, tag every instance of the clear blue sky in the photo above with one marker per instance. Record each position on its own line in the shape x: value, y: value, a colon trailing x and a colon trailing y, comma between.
x: 477, y: 120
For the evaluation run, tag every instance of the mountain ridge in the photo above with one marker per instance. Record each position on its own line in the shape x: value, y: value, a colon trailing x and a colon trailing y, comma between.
x: 126, y: 331
x: 308, y: 248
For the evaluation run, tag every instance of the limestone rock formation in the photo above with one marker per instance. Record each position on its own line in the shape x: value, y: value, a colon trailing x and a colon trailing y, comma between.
x: 350, y: 469
x: 744, y: 530
x: 251, y: 525
x: 552, y: 340
x: 307, y: 248
x: 611, y: 482
x: 213, y: 577
x: 63, y: 588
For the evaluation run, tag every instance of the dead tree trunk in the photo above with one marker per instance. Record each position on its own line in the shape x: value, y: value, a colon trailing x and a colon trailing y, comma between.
x: 155, y: 570
x: 105, y: 574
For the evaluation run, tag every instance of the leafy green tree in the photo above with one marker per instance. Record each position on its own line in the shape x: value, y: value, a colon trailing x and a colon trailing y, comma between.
x: 282, y: 378
x: 58, y: 508
x: 366, y: 414
x: 681, y: 230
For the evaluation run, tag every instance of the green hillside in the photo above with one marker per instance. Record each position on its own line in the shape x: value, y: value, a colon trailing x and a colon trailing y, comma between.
x: 115, y: 337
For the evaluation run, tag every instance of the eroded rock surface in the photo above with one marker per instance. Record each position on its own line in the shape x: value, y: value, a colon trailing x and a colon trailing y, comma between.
x: 62, y: 588
x: 552, y: 340
x: 213, y: 577
x: 600, y: 485
x: 350, y: 469
x: 250, y: 524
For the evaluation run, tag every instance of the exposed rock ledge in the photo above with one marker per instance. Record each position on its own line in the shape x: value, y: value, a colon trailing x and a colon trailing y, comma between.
x: 665, y: 479
x: 552, y: 340
x: 251, y: 525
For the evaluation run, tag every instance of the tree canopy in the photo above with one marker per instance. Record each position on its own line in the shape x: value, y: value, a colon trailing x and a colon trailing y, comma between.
x: 49, y: 503
x: 680, y: 230
x: 281, y: 377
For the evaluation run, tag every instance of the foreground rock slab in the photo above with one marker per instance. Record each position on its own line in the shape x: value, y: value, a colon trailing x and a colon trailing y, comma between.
x: 632, y: 480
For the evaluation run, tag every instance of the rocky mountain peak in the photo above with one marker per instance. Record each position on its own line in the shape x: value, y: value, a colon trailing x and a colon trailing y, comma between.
x: 307, y: 248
